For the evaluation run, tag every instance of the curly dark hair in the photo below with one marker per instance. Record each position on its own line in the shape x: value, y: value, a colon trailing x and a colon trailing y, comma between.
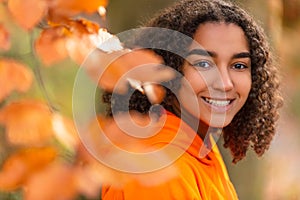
x: 254, y: 125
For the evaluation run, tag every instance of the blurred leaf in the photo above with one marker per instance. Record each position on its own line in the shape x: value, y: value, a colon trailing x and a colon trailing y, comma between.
x: 82, y: 26
x: 13, y: 76
x: 27, y: 122
x: 27, y: 13
x: 71, y: 39
x: 19, y: 166
x: 118, y: 66
x: 4, y: 38
x: 79, y: 48
x: 60, y: 10
x: 65, y: 131
x: 79, y: 44
x: 54, y: 182
x: 50, y: 46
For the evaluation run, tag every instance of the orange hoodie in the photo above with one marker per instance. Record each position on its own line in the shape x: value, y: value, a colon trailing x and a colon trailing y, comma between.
x: 187, y: 176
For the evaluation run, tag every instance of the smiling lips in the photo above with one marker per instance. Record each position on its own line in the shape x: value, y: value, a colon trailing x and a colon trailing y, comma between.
x: 220, y: 105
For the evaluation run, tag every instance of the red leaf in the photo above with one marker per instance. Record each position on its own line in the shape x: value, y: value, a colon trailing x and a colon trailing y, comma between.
x: 27, y: 13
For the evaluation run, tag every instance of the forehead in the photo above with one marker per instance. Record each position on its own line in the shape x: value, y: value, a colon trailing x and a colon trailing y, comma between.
x: 214, y: 34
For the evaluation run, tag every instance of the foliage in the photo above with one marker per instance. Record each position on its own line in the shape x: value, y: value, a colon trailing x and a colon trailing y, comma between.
x: 39, y: 146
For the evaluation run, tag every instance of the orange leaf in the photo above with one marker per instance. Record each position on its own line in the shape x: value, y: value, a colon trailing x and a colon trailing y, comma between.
x: 50, y: 46
x: 91, y: 173
x: 73, y: 7
x: 4, y: 38
x: 79, y: 44
x: 13, y: 76
x: 27, y: 122
x: 113, y: 67
x: 22, y: 164
x: 83, y: 26
x: 27, y: 12
x: 79, y: 47
x: 65, y: 132
x: 55, y: 182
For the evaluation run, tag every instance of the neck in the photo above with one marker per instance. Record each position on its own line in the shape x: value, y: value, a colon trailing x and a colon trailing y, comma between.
x: 202, y: 129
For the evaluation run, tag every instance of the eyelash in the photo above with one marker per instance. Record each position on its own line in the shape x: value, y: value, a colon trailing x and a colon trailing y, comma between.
x: 236, y: 66
x: 242, y: 66
x: 199, y: 63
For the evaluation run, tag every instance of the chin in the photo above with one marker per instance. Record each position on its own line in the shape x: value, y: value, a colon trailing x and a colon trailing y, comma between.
x: 217, y: 122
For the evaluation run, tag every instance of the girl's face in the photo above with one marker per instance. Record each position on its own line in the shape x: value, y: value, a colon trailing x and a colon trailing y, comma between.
x: 218, y: 74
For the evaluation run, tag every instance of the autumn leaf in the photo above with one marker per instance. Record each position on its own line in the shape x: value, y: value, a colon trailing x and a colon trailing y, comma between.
x: 79, y: 44
x: 14, y: 76
x: 91, y: 173
x: 71, y: 39
x: 4, y: 38
x: 27, y: 122
x: 27, y: 13
x: 89, y: 180
x: 95, y: 172
x: 54, y: 182
x: 83, y: 26
x: 125, y: 130
x: 18, y: 167
x: 65, y: 131
x: 78, y: 48
x: 50, y: 46
x: 73, y: 7
x: 110, y: 68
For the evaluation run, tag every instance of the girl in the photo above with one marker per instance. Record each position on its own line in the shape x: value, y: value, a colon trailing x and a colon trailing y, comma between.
x: 229, y: 72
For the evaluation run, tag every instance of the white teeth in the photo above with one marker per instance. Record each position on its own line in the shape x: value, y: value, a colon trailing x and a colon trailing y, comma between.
x: 217, y: 102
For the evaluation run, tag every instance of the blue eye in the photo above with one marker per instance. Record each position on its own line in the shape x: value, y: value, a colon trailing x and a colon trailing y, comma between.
x: 203, y: 64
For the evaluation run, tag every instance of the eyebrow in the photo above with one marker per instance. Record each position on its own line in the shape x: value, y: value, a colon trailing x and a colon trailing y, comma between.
x: 242, y: 55
x: 203, y: 52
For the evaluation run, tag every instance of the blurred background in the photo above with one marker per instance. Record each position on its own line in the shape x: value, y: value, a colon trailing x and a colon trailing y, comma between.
x: 275, y: 176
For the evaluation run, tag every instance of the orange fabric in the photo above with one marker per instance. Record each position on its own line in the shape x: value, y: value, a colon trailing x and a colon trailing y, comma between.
x: 193, y: 178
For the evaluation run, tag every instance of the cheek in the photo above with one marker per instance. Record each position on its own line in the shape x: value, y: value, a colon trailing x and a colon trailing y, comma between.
x: 195, y: 80
x: 243, y: 85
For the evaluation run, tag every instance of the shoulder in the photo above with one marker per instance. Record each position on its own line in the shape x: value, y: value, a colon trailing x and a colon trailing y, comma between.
x: 176, y: 181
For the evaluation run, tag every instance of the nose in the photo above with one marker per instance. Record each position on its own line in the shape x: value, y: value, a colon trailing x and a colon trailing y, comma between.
x: 223, y: 80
